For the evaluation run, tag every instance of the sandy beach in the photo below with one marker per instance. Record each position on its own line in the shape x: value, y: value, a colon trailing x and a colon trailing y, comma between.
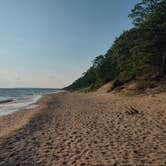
x: 93, y: 129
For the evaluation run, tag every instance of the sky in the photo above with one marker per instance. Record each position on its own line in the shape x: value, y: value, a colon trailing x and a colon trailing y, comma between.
x: 50, y: 43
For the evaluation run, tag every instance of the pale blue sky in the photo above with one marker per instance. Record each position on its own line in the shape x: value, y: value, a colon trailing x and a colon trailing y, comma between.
x: 50, y: 43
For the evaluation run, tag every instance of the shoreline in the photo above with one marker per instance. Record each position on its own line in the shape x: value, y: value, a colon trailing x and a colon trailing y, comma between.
x: 87, y: 129
x: 21, y: 99
x: 27, y: 106
x: 17, y: 119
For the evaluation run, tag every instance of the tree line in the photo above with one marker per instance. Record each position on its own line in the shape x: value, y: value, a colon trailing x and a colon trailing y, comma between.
x: 136, y: 52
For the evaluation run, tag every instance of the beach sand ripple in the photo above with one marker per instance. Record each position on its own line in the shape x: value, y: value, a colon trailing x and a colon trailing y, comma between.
x: 88, y: 130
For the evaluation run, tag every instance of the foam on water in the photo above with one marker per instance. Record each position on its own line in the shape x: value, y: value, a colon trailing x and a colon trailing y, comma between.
x: 21, y: 104
x: 14, y: 100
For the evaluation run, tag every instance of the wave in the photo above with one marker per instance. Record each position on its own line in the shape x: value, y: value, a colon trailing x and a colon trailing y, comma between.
x: 21, y: 98
x: 6, y: 101
x: 10, y: 105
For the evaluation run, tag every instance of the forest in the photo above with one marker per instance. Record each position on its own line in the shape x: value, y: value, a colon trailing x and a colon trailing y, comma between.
x: 137, y: 53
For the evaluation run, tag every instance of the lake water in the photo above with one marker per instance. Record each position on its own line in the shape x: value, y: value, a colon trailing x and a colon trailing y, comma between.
x: 21, y: 98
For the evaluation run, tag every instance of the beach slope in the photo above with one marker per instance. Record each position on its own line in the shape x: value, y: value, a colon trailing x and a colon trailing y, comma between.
x: 87, y: 129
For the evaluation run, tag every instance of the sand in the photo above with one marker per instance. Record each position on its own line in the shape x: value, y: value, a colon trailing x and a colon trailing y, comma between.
x: 93, y: 129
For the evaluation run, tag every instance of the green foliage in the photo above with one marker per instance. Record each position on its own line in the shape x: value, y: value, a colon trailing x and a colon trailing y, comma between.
x: 136, y: 52
x: 146, y: 10
x: 86, y: 80
x: 116, y: 83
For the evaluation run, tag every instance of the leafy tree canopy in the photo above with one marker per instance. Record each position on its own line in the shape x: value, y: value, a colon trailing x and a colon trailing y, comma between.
x: 136, y: 52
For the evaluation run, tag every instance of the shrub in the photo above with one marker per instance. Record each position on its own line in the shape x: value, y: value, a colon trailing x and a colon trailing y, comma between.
x: 116, y: 84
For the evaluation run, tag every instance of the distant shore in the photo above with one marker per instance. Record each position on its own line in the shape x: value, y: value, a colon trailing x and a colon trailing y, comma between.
x: 86, y: 129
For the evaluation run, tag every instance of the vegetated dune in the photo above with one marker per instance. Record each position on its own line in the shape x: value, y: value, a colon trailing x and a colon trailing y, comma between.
x: 90, y: 129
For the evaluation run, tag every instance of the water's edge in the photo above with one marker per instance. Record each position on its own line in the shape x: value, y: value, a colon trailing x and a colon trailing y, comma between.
x: 19, y: 102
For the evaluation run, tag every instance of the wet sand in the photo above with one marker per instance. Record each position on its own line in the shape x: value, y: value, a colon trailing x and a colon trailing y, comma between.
x: 94, y: 129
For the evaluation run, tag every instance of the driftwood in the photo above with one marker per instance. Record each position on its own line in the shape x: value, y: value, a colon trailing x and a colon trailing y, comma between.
x: 132, y: 110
